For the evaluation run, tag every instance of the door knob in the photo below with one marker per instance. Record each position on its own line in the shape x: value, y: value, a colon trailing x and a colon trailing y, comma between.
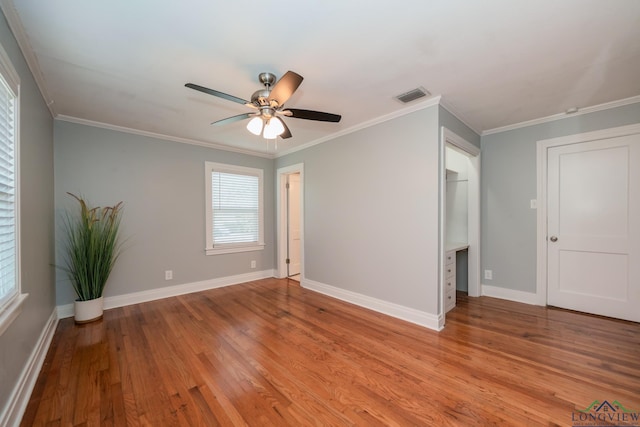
x: 553, y: 238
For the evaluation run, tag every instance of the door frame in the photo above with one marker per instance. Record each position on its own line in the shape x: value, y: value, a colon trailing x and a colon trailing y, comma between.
x: 281, y: 219
x: 473, y: 152
x: 541, y: 168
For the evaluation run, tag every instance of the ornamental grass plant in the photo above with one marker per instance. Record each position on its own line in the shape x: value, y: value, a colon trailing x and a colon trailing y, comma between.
x: 92, y: 247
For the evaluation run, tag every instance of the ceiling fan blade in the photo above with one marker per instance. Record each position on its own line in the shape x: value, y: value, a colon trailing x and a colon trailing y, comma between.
x: 285, y: 87
x: 216, y: 93
x: 233, y: 119
x: 287, y: 133
x: 312, y: 115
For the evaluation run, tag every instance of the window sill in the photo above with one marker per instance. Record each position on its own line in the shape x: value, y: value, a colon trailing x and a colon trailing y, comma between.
x: 11, y: 312
x: 233, y: 250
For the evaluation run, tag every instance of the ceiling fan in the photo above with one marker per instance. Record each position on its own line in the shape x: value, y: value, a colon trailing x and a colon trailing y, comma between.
x: 268, y: 104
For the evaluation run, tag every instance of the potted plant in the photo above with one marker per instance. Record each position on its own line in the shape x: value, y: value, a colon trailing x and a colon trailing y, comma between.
x: 92, y: 248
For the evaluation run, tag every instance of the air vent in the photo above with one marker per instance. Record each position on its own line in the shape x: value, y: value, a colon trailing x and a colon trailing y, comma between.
x: 412, y: 95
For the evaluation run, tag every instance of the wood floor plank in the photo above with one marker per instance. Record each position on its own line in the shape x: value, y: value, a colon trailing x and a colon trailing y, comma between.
x: 272, y: 353
x: 385, y: 379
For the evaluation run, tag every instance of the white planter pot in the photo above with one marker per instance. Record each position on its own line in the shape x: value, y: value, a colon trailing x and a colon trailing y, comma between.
x: 88, y: 311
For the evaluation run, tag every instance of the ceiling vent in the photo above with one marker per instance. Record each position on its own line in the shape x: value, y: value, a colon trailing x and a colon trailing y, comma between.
x: 412, y: 95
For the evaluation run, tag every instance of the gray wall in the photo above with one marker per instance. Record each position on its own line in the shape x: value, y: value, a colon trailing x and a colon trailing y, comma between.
x: 36, y: 223
x: 451, y: 122
x: 508, y: 184
x: 371, y: 210
x: 162, y: 186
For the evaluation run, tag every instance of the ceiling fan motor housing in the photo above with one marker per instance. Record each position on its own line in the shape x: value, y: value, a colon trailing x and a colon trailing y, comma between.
x: 260, y: 97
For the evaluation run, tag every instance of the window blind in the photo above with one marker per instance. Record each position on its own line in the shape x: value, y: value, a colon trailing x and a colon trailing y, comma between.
x: 235, y: 206
x: 8, y: 283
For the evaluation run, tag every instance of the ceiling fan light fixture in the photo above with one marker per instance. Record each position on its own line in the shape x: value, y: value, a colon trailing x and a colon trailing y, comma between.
x: 273, y: 128
x: 255, y: 125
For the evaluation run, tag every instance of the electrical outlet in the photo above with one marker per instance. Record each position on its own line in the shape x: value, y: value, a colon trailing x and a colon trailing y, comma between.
x: 488, y: 274
x: 253, y: 264
x: 168, y: 275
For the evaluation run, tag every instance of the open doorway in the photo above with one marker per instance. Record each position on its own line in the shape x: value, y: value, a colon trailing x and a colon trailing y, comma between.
x: 292, y: 194
x: 290, y: 222
x: 460, y: 219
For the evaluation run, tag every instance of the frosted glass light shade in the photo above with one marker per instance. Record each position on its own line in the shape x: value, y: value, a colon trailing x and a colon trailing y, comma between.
x: 255, y: 125
x: 273, y: 128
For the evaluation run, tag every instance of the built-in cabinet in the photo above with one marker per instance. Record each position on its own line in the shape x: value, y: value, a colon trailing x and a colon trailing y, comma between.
x: 451, y: 277
x: 449, y: 280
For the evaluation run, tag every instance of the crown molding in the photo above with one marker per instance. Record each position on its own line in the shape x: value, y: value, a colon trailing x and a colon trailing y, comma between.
x: 560, y: 116
x: 189, y: 141
x: 15, y: 24
x: 434, y: 100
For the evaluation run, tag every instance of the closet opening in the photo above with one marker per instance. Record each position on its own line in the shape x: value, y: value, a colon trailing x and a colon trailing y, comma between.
x: 460, y: 219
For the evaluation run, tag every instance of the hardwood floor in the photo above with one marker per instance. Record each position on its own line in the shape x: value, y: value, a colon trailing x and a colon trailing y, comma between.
x: 272, y: 353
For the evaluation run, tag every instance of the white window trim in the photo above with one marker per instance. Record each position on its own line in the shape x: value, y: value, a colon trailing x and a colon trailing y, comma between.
x: 238, y: 247
x: 13, y: 306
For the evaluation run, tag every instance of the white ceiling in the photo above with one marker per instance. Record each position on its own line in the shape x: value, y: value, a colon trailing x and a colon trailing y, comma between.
x: 494, y: 62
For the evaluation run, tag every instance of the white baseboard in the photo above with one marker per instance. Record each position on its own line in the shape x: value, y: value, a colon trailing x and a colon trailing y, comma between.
x: 170, y: 291
x: 510, y: 294
x: 412, y: 315
x: 19, y: 397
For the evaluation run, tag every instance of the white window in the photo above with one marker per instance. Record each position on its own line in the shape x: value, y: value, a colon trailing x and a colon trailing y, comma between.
x: 234, y: 209
x: 10, y: 297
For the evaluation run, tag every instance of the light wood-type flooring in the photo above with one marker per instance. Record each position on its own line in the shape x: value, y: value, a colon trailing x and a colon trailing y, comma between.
x: 272, y: 353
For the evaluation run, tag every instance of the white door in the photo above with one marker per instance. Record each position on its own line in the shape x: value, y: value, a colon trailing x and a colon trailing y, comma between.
x: 293, y: 217
x: 593, y: 224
